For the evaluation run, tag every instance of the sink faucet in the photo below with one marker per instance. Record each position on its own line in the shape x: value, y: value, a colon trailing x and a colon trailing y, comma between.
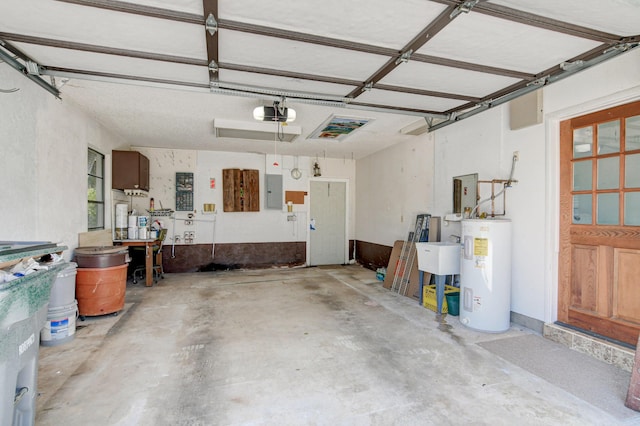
x: 456, y: 238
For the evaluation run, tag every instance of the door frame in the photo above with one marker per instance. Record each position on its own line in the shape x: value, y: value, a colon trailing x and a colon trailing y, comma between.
x: 552, y: 187
x: 347, y: 213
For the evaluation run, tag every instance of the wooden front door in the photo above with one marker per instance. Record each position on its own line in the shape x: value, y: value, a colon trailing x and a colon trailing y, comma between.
x: 599, y: 259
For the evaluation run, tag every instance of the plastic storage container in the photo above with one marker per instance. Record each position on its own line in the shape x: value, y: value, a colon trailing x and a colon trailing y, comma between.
x: 23, y: 311
x: 19, y: 370
x: 101, y: 257
x: 453, y: 302
x: 429, y: 297
x: 101, y: 291
x: 63, y: 290
x: 60, y: 326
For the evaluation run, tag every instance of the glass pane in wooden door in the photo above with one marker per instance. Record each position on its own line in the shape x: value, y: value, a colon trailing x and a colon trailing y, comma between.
x: 608, y: 209
x: 609, y: 173
x: 632, y: 208
x: 609, y: 137
x: 632, y: 171
x: 632, y: 133
x: 582, y: 211
x: 582, y: 175
x: 583, y: 142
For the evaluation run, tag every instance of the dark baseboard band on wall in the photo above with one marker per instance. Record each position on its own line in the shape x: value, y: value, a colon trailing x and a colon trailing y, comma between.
x: 372, y: 256
x: 227, y: 256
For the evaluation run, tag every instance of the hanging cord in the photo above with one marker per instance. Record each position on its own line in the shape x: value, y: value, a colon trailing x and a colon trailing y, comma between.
x: 275, y: 146
x: 173, y: 237
x: 279, y: 108
x: 213, y: 237
x: 280, y: 132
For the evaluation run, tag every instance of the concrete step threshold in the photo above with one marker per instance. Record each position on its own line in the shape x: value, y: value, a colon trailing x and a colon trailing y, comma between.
x: 598, y: 348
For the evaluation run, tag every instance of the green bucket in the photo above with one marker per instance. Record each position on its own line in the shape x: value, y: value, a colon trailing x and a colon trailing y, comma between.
x: 453, y: 303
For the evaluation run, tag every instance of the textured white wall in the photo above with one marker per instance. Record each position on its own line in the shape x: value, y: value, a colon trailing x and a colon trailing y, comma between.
x: 267, y: 225
x: 44, y: 163
x: 18, y: 163
x: 394, y: 185
x: 484, y: 144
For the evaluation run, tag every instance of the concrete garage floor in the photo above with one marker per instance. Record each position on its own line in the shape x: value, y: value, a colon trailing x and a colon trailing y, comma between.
x: 312, y: 346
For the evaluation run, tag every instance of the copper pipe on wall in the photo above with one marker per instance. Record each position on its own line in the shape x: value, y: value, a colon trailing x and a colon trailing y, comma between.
x: 493, y: 182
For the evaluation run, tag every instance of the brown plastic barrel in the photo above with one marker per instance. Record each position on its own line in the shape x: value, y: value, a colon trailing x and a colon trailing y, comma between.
x: 100, y: 257
x: 101, y: 291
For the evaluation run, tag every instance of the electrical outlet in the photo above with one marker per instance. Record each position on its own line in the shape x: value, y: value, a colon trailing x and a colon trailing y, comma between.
x: 188, y: 222
x: 516, y: 155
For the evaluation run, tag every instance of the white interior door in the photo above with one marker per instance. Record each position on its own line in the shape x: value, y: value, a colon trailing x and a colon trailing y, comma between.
x: 328, y: 234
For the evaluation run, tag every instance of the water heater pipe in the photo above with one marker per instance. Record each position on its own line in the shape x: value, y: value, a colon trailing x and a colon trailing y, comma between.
x: 507, y: 184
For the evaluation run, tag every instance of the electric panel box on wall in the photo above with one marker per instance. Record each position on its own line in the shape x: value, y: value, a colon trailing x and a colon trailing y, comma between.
x: 273, y: 193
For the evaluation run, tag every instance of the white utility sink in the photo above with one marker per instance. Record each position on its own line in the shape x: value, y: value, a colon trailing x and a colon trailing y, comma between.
x: 440, y: 258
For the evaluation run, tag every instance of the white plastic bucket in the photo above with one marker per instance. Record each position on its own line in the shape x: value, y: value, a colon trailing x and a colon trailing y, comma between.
x: 121, y: 215
x: 142, y: 221
x: 133, y: 221
x: 132, y: 233
x: 60, y: 326
x: 63, y: 289
x: 142, y: 233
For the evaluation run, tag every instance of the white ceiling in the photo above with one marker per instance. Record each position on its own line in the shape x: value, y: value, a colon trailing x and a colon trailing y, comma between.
x: 140, y: 67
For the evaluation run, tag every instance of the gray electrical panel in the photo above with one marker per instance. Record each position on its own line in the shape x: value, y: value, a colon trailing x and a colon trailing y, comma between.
x: 273, y: 186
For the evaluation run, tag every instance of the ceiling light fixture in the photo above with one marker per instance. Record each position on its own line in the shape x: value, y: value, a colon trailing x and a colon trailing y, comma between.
x: 583, y: 147
x: 253, y: 130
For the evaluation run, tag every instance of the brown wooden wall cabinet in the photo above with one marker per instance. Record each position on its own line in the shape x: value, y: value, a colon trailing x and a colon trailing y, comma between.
x: 240, y: 190
x: 130, y: 170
